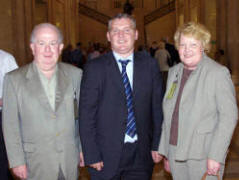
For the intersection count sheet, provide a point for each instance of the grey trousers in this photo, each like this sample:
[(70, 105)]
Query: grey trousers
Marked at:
[(190, 169)]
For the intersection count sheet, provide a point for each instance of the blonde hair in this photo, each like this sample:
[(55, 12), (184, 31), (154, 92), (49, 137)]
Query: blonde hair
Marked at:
[(194, 30)]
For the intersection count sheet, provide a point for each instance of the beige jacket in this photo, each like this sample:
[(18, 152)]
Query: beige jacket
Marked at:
[(34, 133), (207, 112)]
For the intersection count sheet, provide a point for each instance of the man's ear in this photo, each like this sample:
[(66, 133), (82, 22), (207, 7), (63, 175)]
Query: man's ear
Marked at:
[(108, 36), (136, 35), (32, 47), (61, 46)]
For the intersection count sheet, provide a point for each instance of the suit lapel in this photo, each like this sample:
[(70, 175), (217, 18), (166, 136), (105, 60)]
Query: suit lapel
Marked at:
[(116, 77), (62, 84), (115, 74), (138, 74), (35, 87)]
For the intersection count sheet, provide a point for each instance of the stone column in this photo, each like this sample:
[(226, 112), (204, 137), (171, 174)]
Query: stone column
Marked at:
[(221, 31), (72, 23), (180, 12), (64, 14), (22, 23), (186, 11), (232, 39)]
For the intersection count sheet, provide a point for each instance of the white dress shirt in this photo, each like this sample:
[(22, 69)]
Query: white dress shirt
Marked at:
[(7, 64), (129, 71)]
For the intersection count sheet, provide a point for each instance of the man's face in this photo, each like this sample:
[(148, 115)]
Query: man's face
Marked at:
[(122, 36), (46, 49)]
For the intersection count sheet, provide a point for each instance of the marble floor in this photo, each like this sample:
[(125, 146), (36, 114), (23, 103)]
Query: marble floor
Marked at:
[(231, 170)]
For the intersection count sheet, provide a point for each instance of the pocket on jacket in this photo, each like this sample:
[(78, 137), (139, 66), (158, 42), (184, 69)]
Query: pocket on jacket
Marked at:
[(206, 126), (28, 147), (197, 147)]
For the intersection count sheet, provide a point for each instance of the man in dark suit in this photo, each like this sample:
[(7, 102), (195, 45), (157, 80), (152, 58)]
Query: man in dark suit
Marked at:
[(120, 108)]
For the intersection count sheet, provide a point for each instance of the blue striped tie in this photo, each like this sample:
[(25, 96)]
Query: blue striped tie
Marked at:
[(131, 124)]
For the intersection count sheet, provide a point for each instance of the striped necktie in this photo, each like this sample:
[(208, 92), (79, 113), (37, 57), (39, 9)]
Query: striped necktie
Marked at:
[(131, 124)]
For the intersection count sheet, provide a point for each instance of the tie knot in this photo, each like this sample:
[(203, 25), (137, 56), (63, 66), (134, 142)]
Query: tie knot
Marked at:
[(124, 63)]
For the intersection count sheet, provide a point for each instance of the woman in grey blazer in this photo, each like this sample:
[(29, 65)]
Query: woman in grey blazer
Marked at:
[(200, 110)]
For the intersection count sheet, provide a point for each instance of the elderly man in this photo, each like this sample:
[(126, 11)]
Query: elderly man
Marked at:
[(7, 64), (39, 102), (120, 108)]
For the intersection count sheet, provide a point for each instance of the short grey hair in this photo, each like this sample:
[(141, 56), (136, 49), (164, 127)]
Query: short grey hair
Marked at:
[(122, 16), (46, 25)]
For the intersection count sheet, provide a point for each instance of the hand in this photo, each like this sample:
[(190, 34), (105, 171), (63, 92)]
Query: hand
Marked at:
[(156, 156), (212, 167), (0, 102), (166, 165), (20, 171), (82, 162), (98, 166)]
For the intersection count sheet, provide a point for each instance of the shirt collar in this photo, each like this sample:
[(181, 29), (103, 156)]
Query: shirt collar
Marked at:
[(42, 75), (118, 57)]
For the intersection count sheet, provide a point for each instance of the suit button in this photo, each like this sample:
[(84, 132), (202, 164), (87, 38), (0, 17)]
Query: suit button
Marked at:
[(53, 116)]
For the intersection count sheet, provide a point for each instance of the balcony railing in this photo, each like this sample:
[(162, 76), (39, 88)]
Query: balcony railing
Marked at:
[(92, 13), (102, 18), (158, 13)]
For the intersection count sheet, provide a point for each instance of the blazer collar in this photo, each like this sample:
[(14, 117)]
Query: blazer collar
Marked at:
[(114, 72), (35, 87), (62, 84), (199, 66), (34, 83), (139, 69)]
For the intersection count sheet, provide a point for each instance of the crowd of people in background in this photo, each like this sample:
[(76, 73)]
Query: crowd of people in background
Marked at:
[(79, 55)]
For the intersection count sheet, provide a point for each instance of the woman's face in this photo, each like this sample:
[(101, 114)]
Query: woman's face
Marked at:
[(190, 51)]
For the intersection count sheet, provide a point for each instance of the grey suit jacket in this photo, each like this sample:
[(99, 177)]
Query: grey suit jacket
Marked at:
[(207, 112), (34, 133)]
